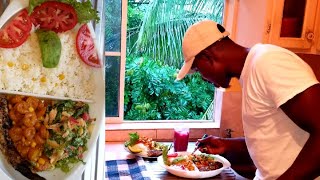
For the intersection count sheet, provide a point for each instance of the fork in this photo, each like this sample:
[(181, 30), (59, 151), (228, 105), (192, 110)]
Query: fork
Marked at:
[(12, 8), (200, 144)]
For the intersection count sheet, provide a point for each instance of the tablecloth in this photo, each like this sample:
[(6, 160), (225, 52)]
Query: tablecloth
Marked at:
[(126, 169)]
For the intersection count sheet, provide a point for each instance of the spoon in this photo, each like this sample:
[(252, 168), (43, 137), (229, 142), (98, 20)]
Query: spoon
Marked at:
[(13, 7)]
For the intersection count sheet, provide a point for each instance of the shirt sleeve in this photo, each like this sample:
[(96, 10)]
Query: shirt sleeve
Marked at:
[(282, 75)]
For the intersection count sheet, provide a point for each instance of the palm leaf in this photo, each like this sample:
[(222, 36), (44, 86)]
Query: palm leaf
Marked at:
[(165, 23)]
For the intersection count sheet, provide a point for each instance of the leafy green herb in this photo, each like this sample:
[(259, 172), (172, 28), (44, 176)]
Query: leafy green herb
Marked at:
[(81, 110), (134, 137), (84, 10), (33, 4), (48, 150)]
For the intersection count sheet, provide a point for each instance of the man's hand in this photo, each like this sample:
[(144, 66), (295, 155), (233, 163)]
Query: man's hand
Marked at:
[(212, 145), (233, 149)]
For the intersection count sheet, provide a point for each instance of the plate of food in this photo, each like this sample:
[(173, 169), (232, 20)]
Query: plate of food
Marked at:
[(51, 91), (195, 166), (143, 146)]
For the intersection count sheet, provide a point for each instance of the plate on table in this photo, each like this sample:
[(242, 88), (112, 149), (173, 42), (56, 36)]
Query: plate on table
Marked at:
[(23, 73), (142, 154), (194, 173), (143, 146)]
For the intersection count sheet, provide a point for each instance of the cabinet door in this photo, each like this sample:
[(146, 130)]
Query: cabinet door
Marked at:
[(292, 24)]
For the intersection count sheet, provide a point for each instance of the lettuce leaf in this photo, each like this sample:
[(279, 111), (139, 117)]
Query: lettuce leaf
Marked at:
[(134, 137)]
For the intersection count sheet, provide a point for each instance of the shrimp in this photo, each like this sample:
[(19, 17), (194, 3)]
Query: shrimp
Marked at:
[(29, 132), (30, 119), (22, 107), (38, 139), (15, 134), (41, 110), (15, 99), (15, 116), (33, 102)]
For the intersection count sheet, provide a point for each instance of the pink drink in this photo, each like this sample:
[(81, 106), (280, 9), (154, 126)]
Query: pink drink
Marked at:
[(181, 139)]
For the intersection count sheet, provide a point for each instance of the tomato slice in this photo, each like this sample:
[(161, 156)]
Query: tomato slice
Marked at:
[(175, 154), (16, 31), (86, 48), (55, 16)]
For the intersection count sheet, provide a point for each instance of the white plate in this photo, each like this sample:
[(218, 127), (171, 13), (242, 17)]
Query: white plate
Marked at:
[(195, 174), (96, 110)]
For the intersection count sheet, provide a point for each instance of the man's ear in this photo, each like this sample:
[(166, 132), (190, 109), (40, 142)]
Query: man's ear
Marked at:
[(221, 29)]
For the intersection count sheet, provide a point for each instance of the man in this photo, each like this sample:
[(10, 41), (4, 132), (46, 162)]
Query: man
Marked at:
[(280, 100)]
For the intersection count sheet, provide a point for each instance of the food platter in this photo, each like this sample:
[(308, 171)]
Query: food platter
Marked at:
[(96, 110), (196, 174)]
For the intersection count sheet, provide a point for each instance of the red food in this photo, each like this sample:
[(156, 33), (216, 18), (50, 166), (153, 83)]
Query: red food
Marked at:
[(55, 16), (73, 120), (17, 31), (175, 154), (85, 116), (86, 48)]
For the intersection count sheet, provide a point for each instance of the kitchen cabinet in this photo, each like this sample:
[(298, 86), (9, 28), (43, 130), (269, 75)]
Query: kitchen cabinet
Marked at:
[(293, 24)]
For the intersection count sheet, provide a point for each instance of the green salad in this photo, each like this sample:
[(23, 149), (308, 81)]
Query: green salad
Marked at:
[(70, 127)]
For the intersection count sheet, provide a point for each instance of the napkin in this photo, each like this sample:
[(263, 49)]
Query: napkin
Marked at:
[(126, 169)]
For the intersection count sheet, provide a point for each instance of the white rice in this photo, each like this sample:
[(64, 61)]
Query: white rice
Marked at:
[(21, 70)]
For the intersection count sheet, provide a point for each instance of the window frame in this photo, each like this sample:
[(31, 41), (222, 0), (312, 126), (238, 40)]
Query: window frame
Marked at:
[(230, 11)]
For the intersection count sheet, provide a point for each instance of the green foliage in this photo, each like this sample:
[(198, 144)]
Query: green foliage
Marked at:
[(165, 23), (134, 15), (151, 92)]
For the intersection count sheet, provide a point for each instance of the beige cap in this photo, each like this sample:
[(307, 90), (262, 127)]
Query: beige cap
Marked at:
[(198, 37)]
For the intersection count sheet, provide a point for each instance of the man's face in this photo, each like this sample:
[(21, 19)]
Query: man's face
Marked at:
[(211, 70)]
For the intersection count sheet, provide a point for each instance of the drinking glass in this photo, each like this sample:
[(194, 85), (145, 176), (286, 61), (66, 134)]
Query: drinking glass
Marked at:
[(180, 139)]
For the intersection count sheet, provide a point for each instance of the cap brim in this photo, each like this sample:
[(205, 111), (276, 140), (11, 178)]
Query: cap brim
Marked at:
[(185, 69)]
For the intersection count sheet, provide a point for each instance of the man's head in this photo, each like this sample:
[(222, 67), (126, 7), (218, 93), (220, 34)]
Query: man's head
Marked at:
[(197, 38)]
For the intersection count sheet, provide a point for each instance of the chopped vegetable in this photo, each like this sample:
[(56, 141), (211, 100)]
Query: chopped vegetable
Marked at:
[(16, 31), (86, 47), (84, 10), (50, 47), (71, 136), (54, 16)]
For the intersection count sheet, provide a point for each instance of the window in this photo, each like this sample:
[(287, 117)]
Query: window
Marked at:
[(118, 41)]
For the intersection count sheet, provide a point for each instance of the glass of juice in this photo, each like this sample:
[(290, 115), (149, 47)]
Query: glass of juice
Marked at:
[(180, 139)]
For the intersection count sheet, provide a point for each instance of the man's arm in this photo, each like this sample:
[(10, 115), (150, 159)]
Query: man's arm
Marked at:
[(233, 149), (238, 155), (304, 111)]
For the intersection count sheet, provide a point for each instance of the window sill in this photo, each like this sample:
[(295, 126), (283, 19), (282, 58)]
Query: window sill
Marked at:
[(159, 131), (161, 125)]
